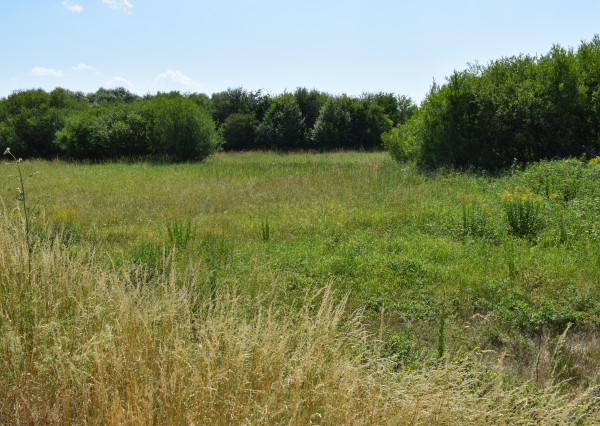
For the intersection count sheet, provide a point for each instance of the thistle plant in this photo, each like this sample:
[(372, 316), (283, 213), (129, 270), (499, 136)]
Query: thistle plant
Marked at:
[(22, 199)]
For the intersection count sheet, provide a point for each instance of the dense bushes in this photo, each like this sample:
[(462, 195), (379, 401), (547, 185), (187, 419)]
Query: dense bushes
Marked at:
[(524, 108), (166, 126), (104, 132), (115, 123), (29, 119)]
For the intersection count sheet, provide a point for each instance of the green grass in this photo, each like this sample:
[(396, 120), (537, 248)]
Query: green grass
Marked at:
[(276, 226)]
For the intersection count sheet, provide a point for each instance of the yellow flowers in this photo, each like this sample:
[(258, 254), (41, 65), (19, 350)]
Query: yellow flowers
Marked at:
[(521, 194), (523, 210), (594, 161)]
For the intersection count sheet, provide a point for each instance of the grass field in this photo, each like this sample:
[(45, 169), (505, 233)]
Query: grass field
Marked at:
[(333, 288)]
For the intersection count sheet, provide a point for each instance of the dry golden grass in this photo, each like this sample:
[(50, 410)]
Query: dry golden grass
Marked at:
[(81, 343)]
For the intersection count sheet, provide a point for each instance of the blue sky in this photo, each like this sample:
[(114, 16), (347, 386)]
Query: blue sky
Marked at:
[(275, 45)]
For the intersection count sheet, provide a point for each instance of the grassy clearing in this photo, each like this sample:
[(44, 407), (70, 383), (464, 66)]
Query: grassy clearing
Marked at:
[(224, 292)]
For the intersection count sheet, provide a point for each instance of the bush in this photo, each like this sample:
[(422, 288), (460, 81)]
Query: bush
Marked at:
[(179, 129), (521, 107), (29, 120), (333, 127), (105, 132), (239, 132), (283, 125)]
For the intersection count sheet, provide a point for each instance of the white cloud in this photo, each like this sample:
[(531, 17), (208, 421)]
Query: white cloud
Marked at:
[(177, 77), (42, 72), (119, 81), (72, 7), (83, 67), (118, 4)]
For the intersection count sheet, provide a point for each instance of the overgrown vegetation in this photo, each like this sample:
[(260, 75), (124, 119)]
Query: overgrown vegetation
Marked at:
[(369, 304), (360, 283)]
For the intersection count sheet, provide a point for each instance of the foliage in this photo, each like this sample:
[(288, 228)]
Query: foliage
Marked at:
[(29, 119), (178, 128), (310, 103), (333, 128), (105, 132), (523, 211), (521, 107), (238, 101), (116, 96), (238, 132), (282, 127)]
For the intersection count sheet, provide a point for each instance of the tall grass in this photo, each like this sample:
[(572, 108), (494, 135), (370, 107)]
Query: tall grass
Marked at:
[(84, 343)]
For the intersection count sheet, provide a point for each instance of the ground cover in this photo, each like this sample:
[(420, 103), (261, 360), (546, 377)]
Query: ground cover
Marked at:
[(439, 265)]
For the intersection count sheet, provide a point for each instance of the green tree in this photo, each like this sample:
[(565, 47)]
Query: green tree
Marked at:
[(283, 125), (239, 132), (179, 129), (333, 128), (29, 120), (310, 103)]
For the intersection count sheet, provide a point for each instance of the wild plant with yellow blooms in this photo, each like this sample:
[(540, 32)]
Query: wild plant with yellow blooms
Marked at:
[(523, 210)]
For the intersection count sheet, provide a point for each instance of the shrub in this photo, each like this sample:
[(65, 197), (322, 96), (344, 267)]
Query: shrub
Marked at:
[(283, 125), (239, 132), (104, 132), (29, 120), (179, 129), (521, 107)]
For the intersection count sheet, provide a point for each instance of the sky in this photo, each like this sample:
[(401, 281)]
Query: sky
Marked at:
[(334, 46)]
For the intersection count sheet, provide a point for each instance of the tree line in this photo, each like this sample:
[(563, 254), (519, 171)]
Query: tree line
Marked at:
[(115, 123), (521, 108)]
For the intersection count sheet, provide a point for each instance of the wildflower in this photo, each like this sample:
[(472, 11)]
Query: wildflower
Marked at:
[(569, 180), (506, 197), (7, 151), (594, 161)]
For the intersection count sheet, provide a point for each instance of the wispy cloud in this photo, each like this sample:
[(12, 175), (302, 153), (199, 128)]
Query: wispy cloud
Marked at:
[(176, 77), (119, 81), (85, 67), (118, 4), (43, 72), (72, 7)]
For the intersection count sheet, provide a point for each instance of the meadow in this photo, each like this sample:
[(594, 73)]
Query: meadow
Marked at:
[(294, 288)]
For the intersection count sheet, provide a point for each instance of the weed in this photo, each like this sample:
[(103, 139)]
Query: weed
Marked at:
[(180, 233), (441, 337), (22, 199), (523, 211), (475, 216), (265, 233), (510, 257)]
